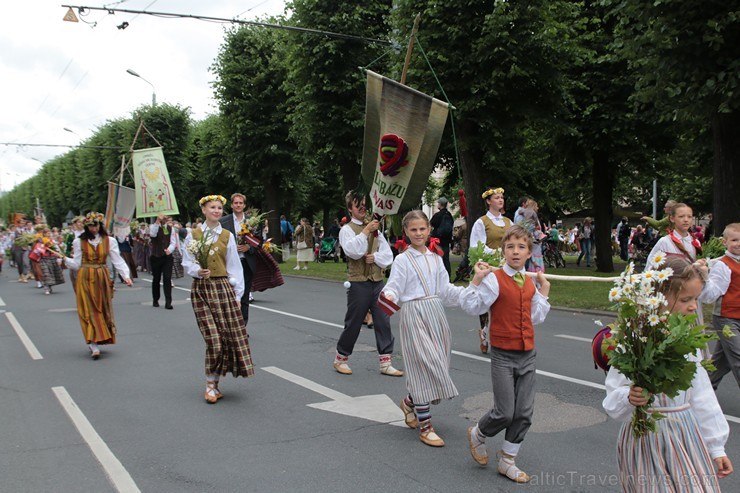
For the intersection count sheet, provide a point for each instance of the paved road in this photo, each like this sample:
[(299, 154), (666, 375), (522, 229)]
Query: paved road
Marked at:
[(282, 430)]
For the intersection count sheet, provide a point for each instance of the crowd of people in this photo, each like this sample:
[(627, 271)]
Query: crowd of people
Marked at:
[(224, 255)]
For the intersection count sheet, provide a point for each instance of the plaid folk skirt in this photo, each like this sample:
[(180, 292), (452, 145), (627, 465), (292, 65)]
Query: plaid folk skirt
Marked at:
[(222, 326), (51, 271)]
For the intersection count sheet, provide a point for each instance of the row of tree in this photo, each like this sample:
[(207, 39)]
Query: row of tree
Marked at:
[(571, 102)]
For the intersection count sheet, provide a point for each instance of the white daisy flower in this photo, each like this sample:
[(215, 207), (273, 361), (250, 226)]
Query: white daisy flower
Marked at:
[(659, 259), (653, 320), (664, 274), (615, 294), (654, 302)]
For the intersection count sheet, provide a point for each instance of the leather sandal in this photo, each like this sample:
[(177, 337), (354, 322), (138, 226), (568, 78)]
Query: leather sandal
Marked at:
[(480, 458), (409, 416), (387, 369), (342, 367), (211, 394), (429, 437), (507, 467), (219, 394)]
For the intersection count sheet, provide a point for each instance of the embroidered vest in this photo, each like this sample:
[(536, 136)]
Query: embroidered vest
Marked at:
[(359, 271), (217, 261), (161, 241), (494, 234), (510, 318)]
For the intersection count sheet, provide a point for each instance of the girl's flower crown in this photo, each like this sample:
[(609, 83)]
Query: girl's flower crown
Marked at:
[(208, 198), (492, 191), (94, 217)]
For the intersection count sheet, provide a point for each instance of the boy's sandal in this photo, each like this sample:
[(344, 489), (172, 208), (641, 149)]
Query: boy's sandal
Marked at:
[(509, 469), (431, 438), (409, 416)]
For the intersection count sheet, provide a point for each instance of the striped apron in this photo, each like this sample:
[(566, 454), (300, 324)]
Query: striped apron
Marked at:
[(672, 460), (426, 345)]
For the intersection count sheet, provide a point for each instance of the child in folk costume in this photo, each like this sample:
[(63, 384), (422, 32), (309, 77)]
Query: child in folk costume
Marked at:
[(515, 305), (420, 281), (723, 287), (678, 241), (217, 289), (94, 289), (678, 457)]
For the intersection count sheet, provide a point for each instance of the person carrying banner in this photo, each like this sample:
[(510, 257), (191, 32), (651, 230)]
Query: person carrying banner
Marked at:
[(210, 257), (489, 230), (368, 253), (94, 290), (163, 244), (233, 223)]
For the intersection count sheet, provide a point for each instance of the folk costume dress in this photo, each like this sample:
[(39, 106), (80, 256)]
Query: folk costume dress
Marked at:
[(678, 457), (214, 302), (422, 285), (94, 288)]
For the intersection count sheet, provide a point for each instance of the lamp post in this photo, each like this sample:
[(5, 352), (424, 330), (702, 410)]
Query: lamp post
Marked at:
[(154, 94)]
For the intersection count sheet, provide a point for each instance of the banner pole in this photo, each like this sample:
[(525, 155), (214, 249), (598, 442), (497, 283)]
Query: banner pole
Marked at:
[(410, 49)]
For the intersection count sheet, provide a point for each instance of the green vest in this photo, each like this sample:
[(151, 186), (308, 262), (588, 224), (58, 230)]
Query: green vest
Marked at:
[(359, 271), (217, 261), (494, 234)]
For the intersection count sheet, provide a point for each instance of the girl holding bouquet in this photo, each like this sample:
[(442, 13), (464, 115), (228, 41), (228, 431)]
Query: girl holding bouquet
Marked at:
[(210, 257), (678, 455), (51, 271)]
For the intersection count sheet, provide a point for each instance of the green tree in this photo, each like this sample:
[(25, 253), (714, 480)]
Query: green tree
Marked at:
[(686, 55)]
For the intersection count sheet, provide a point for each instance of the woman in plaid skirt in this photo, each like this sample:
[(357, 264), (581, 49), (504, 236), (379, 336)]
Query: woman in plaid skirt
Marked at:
[(210, 257)]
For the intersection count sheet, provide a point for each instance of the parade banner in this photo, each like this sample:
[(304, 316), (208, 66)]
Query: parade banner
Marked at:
[(119, 210), (154, 193), (403, 130)]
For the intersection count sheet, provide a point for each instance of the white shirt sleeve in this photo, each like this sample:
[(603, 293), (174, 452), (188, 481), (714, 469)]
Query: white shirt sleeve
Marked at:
[(384, 255), (540, 308), (396, 284), (189, 265), (717, 284), (154, 230), (116, 259), (616, 403), (712, 422), (74, 262), (477, 300), (478, 234), (354, 246), (234, 267)]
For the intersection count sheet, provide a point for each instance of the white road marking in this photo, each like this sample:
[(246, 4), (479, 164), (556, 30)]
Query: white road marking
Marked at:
[(379, 408), (2, 303), (117, 474), (564, 378), (575, 338), (30, 347)]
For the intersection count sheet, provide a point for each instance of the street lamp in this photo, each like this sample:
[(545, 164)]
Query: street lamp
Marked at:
[(154, 94)]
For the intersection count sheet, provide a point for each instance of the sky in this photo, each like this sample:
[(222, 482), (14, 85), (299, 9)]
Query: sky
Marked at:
[(57, 75)]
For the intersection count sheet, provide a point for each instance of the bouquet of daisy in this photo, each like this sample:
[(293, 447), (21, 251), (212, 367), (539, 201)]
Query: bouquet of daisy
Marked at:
[(202, 249), (495, 259), (649, 345)]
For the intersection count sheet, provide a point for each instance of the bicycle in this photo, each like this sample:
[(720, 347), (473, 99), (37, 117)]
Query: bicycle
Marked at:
[(552, 256)]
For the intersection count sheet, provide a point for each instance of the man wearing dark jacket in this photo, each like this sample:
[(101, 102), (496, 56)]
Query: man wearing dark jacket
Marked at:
[(233, 222)]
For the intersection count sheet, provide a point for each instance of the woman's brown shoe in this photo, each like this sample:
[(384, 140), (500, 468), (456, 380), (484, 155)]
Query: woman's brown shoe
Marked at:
[(409, 416), (429, 437), (211, 394)]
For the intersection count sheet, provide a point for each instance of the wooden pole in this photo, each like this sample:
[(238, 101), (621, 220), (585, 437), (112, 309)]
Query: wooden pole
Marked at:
[(410, 48)]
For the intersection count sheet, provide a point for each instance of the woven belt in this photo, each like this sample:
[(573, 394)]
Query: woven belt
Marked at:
[(93, 266)]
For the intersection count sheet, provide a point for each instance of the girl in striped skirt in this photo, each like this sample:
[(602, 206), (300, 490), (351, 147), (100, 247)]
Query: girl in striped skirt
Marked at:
[(218, 286), (419, 280), (678, 457)]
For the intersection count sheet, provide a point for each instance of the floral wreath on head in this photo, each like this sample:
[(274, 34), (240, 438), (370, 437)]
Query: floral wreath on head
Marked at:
[(40, 227), (94, 217), (492, 191), (209, 198)]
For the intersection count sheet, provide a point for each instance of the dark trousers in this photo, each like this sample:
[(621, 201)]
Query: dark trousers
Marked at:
[(248, 274), (624, 252), (162, 271), (361, 297), (513, 375)]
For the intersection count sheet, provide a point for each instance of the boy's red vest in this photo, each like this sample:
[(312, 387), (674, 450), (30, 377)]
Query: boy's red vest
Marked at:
[(730, 301), (510, 318)]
